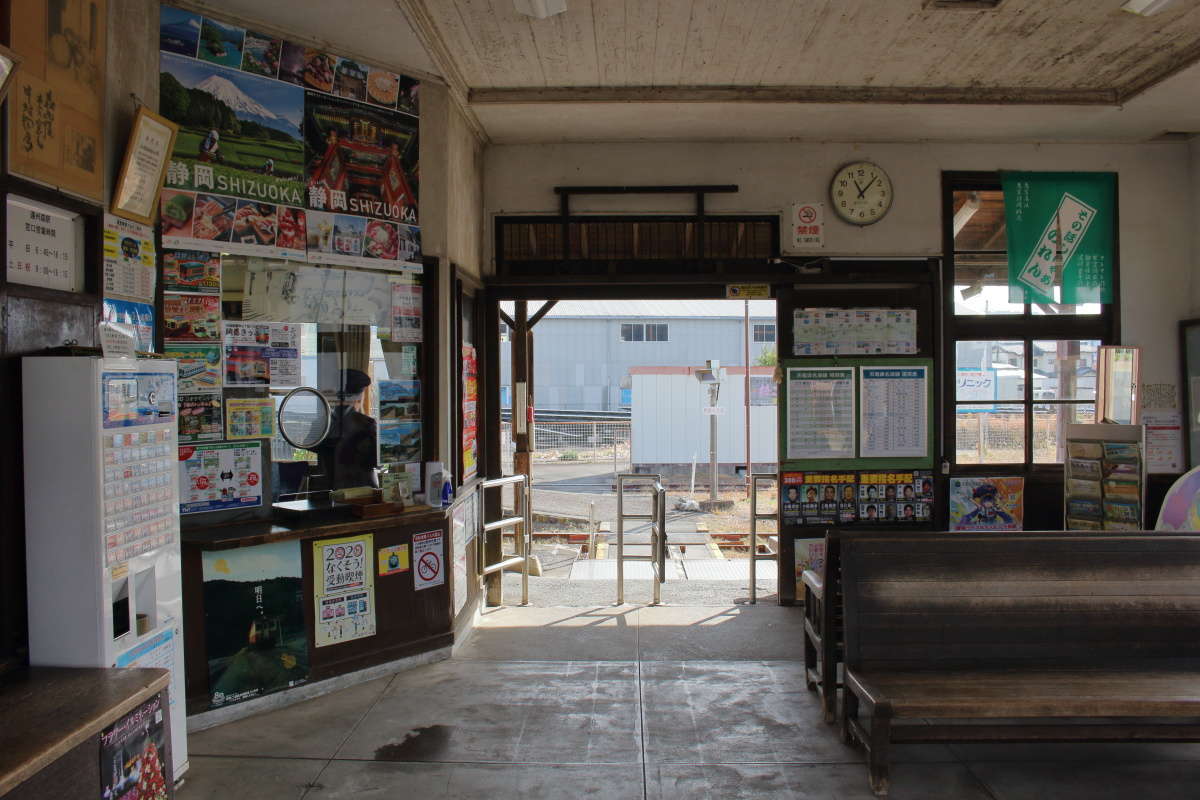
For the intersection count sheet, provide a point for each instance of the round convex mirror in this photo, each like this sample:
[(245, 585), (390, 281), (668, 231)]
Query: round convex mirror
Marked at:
[(304, 418)]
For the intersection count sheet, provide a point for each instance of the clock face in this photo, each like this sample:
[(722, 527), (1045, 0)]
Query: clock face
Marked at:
[(861, 193)]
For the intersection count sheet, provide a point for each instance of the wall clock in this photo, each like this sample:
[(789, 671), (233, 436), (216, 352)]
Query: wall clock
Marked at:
[(861, 193)]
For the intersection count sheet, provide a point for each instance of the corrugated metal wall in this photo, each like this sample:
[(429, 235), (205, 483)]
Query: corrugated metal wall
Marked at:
[(670, 427)]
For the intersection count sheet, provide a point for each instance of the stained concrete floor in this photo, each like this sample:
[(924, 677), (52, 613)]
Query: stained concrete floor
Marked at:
[(630, 702)]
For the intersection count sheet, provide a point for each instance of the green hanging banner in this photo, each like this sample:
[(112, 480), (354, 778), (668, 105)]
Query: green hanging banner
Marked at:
[(1060, 234)]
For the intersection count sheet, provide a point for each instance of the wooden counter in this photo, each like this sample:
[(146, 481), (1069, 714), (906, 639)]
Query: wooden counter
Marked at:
[(56, 714), (228, 600)]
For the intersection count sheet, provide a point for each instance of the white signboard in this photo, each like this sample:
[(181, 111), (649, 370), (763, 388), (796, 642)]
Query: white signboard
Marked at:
[(45, 245), (429, 560), (1164, 441), (894, 412), (820, 412), (808, 226), (130, 263), (344, 593)]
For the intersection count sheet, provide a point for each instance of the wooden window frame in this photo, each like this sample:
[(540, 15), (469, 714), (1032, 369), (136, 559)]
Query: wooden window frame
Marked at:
[(1025, 327)]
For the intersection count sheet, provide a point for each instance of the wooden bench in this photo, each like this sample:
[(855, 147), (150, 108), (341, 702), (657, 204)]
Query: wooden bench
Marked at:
[(823, 626), (1019, 637), (51, 719)]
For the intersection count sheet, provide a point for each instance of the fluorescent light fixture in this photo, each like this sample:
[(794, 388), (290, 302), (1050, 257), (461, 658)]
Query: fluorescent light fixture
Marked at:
[(540, 9), (1146, 8)]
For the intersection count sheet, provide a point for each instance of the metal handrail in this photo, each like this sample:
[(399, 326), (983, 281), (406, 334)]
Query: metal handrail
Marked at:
[(524, 521), (658, 533), (754, 518)]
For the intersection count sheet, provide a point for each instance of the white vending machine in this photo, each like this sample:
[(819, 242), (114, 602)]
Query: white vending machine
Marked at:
[(102, 519)]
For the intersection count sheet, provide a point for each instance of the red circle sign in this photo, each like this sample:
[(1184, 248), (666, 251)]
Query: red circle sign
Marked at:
[(429, 566), (252, 479), (202, 482), (808, 214)]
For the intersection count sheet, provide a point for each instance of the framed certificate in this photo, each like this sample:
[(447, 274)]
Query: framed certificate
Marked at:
[(144, 167)]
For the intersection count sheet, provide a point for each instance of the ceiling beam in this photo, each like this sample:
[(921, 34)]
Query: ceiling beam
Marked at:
[(435, 45), (899, 95)]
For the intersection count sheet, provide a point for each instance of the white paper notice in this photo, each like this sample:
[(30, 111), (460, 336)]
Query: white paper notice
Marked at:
[(117, 341), (429, 560), (894, 412), (130, 263), (1164, 441), (820, 412)]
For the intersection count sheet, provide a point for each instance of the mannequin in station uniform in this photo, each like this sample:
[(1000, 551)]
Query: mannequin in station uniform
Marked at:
[(348, 455)]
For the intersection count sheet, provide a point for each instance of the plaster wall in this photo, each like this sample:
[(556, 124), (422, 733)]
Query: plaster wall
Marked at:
[(1158, 222)]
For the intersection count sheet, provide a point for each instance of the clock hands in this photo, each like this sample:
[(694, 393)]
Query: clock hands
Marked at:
[(860, 189)]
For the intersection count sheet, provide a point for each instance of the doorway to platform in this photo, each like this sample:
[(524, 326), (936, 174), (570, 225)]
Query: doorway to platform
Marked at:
[(598, 400)]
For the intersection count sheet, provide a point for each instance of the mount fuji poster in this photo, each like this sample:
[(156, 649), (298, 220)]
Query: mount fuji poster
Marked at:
[(240, 134)]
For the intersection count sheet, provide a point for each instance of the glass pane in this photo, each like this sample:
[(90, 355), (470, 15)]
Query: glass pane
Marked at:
[(1065, 369), (1049, 309), (981, 285), (989, 370), (1048, 428), (989, 434), (979, 221)]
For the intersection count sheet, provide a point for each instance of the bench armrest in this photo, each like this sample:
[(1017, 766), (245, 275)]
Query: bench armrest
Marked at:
[(814, 583)]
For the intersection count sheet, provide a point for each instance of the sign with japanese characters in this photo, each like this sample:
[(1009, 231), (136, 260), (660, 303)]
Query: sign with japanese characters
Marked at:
[(344, 590), (44, 245), (56, 105), (1060, 236), (808, 226), (286, 151)]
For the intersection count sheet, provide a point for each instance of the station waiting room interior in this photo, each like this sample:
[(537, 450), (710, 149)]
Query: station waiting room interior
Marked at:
[(364, 434)]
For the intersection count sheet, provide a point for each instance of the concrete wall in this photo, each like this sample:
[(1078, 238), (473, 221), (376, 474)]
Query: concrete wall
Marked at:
[(1158, 218), (668, 424)]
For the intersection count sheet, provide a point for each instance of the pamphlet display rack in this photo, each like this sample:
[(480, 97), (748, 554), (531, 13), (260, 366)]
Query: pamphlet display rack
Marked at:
[(1105, 486)]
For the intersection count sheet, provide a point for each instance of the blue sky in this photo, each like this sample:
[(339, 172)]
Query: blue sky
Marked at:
[(280, 98), (175, 16)]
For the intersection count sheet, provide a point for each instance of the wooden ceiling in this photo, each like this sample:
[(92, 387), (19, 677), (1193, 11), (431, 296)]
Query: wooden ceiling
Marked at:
[(896, 51)]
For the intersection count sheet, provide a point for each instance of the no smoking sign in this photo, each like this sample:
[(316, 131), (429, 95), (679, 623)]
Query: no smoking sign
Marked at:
[(427, 549), (808, 226)]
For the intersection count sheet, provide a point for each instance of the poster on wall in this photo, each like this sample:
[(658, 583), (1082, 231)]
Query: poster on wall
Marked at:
[(219, 477), (262, 354), (56, 105), (407, 306), (130, 263), (809, 554), (820, 412), (192, 318), (464, 522), (344, 589), (819, 498), (249, 418), (254, 632), (135, 759), (200, 417), (399, 442), (1060, 228), (429, 558), (284, 149), (895, 496), (854, 331), (399, 400), (987, 504), (195, 271), (470, 404), (136, 319), (894, 409), (199, 366)]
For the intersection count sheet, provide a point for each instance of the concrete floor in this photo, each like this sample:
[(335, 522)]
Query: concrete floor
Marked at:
[(630, 702)]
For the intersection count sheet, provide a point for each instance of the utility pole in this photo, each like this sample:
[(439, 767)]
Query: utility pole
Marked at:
[(714, 389), (746, 390)]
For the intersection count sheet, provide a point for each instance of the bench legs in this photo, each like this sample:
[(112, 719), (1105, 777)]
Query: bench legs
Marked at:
[(877, 740), (878, 752)]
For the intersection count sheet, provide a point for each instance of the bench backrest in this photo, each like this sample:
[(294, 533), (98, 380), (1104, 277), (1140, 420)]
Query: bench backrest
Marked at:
[(930, 600)]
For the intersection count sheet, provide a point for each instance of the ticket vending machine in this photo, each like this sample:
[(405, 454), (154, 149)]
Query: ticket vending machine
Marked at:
[(102, 519)]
